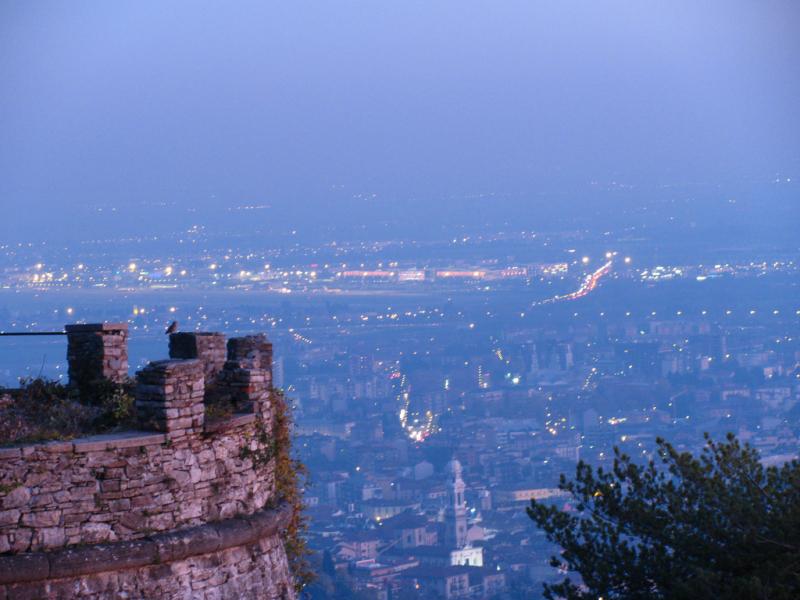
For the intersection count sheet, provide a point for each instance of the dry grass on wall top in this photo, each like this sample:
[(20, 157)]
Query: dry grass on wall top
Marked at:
[(43, 409)]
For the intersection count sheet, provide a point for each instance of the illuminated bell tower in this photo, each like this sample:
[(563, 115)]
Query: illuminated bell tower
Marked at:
[(455, 516)]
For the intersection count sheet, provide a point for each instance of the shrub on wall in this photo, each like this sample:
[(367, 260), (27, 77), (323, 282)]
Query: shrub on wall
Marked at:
[(43, 409)]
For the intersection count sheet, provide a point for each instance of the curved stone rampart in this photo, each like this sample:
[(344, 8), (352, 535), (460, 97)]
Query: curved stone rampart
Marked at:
[(178, 509), (126, 486), (190, 563)]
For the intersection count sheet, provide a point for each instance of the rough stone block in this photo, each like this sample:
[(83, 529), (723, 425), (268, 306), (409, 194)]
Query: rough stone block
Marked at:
[(16, 498), (180, 544), (255, 348), (165, 392), (96, 352), (23, 567), (208, 347), (9, 517), (103, 557)]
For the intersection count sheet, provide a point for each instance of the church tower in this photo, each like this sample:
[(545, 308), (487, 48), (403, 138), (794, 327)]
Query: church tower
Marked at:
[(455, 515)]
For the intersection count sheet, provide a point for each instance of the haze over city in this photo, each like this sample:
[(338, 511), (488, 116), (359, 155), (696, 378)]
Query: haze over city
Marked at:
[(367, 106)]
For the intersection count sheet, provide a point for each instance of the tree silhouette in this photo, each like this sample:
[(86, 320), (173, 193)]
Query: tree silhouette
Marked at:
[(720, 525), (328, 566)]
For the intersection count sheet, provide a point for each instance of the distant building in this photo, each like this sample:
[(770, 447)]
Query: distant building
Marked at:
[(448, 582), (423, 470), (408, 530), (523, 493), (358, 545), (377, 510), (454, 582), (455, 515)]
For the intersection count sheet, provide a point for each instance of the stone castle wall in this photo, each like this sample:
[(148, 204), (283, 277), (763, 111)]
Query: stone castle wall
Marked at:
[(97, 352), (208, 347), (176, 509), (126, 486), (242, 557)]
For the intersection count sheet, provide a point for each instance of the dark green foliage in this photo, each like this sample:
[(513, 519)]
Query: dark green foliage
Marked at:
[(218, 411), (328, 566), (336, 585), (43, 409), (266, 449), (290, 477), (115, 404), (219, 404), (720, 525)]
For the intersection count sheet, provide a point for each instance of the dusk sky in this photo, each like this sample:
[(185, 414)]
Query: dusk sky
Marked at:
[(301, 104)]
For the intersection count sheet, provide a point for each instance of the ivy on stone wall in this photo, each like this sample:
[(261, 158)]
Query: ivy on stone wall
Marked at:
[(290, 478)]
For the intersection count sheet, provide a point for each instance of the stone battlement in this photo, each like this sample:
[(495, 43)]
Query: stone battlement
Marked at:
[(170, 397), (96, 352), (170, 479), (209, 348)]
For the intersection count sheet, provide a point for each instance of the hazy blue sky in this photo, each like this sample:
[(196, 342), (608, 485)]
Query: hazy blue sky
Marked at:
[(305, 102)]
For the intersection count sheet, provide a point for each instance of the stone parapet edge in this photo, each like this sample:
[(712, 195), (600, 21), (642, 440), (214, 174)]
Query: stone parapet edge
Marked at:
[(122, 439), (153, 550), (95, 327)]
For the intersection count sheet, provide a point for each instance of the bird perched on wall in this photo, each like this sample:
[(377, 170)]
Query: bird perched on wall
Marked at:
[(173, 327)]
